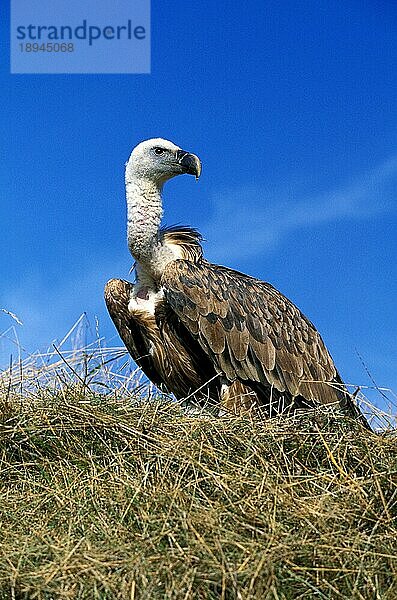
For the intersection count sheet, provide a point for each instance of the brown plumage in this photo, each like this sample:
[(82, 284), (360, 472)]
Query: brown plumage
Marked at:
[(220, 326), (213, 335)]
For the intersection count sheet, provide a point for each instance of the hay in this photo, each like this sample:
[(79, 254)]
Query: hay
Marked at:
[(104, 495)]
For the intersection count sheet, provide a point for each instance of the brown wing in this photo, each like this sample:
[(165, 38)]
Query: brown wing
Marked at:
[(139, 333), (180, 368), (250, 330)]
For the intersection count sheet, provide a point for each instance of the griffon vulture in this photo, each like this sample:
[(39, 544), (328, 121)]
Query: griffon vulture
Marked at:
[(204, 332)]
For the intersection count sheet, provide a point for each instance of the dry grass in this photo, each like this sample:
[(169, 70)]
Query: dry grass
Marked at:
[(105, 496)]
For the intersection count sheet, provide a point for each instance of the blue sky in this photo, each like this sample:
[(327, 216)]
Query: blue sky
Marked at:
[(291, 106)]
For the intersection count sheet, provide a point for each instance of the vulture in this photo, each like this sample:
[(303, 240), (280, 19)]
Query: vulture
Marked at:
[(208, 334)]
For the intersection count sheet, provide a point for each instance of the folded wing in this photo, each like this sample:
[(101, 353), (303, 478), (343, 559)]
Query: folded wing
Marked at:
[(251, 331)]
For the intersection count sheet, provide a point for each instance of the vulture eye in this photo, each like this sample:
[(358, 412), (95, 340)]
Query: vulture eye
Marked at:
[(159, 150)]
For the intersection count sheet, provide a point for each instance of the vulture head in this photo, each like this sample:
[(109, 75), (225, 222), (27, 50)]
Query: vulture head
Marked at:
[(159, 160)]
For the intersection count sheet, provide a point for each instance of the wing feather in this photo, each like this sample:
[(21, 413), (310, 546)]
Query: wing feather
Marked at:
[(226, 365), (238, 342), (212, 332)]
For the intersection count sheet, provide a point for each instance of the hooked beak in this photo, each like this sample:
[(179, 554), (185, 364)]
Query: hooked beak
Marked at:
[(190, 163)]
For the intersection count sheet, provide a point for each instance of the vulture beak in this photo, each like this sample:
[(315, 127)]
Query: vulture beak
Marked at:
[(190, 163)]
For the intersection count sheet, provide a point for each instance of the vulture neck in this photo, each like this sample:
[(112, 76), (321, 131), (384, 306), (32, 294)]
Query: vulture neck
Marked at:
[(144, 214)]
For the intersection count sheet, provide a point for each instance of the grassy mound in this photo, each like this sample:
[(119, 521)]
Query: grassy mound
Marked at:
[(107, 497)]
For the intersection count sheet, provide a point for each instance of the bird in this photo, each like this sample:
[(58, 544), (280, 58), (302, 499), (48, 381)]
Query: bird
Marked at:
[(212, 336)]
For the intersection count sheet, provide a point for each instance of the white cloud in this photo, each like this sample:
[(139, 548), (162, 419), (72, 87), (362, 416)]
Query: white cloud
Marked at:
[(264, 218)]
